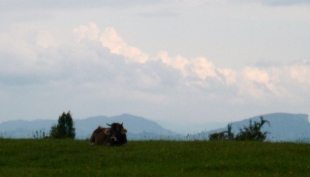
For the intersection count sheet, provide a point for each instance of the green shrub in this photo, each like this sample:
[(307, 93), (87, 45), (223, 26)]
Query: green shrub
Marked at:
[(253, 132)]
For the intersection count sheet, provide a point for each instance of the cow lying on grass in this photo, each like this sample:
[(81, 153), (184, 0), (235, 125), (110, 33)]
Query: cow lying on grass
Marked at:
[(114, 135)]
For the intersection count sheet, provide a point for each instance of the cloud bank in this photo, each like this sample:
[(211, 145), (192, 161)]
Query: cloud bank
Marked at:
[(97, 64), (95, 49)]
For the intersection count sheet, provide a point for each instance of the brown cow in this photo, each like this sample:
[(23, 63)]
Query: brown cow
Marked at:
[(115, 135), (99, 137)]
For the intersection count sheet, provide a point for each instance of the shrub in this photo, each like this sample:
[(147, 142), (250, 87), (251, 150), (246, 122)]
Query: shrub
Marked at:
[(253, 132)]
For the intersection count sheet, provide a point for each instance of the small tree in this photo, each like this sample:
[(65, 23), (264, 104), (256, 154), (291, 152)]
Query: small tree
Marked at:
[(230, 134), (253, 132), (64, 128)]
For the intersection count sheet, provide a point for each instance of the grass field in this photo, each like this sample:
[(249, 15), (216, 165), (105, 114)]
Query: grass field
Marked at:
[(45, 157)]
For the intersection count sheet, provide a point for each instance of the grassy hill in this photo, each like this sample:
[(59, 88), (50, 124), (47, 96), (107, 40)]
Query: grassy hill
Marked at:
[(45, 157)]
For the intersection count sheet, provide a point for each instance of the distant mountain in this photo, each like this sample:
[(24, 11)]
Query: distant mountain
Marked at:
[(138, 127), (283, 127)]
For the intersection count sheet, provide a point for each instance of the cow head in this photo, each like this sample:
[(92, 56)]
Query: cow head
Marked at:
[(116, 133)]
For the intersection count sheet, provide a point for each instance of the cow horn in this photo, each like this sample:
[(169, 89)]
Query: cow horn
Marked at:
[(109, 125)]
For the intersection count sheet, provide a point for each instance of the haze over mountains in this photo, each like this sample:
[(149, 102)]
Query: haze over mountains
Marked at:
[(284, 127)]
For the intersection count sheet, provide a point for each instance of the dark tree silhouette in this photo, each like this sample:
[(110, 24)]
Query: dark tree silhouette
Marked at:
[(64, 128)]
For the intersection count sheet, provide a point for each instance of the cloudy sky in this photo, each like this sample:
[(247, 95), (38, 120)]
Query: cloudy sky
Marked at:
[(172, 61)]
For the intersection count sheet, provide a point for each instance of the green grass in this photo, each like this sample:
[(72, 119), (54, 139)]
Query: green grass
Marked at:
[(45, 157)]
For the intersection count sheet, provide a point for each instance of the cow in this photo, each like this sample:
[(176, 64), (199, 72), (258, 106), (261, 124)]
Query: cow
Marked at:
[(117, 134), (114, 135), (99, 137)]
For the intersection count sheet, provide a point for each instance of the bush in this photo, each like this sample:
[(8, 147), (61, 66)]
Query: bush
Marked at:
[(253, 132)]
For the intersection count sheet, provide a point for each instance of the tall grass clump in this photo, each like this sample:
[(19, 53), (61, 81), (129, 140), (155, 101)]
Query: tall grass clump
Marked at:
[(39, 134)]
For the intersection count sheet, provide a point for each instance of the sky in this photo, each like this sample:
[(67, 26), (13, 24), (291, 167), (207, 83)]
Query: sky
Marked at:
[(175, 62)]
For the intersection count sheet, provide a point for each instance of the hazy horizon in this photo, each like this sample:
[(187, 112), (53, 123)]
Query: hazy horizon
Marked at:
[(176, 127)]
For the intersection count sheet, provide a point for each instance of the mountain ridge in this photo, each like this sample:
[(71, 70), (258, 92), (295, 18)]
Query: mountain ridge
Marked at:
[(283, 127)]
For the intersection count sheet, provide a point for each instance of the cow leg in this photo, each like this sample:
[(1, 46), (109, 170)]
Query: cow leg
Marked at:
[(92, 140), (98, 140)]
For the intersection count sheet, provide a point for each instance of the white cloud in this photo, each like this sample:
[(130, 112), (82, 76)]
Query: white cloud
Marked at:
[(112, 41), (256, 75), (301, 73), (90, 32), (177, 62), (259, 84), (229, 75), (201, 68)]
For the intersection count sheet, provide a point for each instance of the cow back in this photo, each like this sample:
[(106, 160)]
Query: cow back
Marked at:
[(99, 137)]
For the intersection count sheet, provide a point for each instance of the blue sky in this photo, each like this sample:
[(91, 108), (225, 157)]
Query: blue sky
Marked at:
[(184, 62)]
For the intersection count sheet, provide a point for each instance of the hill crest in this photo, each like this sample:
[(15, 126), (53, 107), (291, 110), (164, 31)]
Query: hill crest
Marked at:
[(283, 127)]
